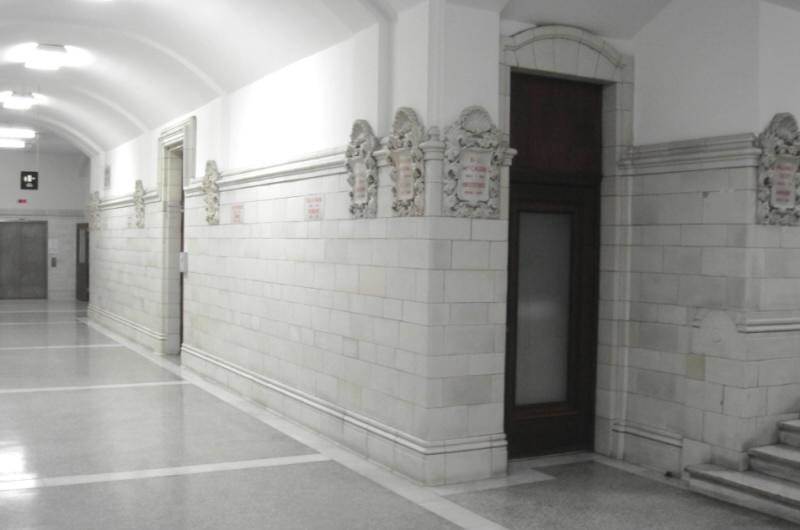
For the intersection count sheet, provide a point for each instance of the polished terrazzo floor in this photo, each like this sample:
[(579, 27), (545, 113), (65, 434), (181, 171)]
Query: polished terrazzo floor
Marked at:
[(97, 434)]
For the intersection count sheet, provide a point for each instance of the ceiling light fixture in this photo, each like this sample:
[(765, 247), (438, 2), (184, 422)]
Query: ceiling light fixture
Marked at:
[(17, 132), (11, 143), (19, 100), (48, 57)]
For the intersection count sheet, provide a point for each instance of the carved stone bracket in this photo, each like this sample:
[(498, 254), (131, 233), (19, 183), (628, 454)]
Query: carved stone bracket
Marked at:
[(138, 204), (362, 171), (93, 209), (474, 153), (210, 189), (407, 162), (778, 176)]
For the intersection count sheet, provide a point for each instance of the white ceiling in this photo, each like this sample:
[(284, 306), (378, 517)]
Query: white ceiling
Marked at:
[(158, 59)]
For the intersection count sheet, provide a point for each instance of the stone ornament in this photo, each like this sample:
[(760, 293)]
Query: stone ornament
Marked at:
[(94, 211), (407, 162), (778, 177), (210, 187), (362, 171), (138, 204), (474, 154)]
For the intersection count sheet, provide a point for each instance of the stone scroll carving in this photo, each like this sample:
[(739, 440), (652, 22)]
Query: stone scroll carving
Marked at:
[(407, 162), (474, 154), (210, 187), (362, 171), (138, 204), (93, 211), (778, 177)]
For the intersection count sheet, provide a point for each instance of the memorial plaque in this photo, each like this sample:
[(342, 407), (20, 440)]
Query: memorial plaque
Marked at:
[(359, 182), (404, 183), (782, 177), (314, 205), (776, 195), (362, 175), (476, 167)]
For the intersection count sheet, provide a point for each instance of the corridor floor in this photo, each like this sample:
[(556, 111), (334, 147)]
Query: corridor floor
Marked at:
[(96, 434)]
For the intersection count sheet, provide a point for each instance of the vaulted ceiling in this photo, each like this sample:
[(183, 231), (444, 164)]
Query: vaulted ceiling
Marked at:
[(157, 59)]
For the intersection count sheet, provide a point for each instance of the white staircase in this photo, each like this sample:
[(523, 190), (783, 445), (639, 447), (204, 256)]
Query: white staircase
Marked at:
[(770, 485)]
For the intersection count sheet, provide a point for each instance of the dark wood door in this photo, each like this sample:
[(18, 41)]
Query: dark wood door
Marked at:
[(23, 260), (553, 264), (82, 262)]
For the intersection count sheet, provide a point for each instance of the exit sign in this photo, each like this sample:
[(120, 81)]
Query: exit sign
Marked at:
[(29, 180)]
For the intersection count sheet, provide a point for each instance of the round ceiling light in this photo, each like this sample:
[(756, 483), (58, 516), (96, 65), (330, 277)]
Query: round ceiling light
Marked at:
[(49, 57), (20, 100)]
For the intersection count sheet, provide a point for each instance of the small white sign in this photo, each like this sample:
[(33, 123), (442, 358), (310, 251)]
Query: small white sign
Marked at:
[(314, 205), (237, 214)]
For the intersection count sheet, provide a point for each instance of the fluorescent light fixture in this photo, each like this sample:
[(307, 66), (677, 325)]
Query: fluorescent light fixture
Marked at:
[(19, 100), (48, 57), (17, 132), (11, 143)]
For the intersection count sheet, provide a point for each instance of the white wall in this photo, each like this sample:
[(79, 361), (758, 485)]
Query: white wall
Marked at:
[(306, 107), (62, 181), (697, 71), (779, 62), (60, 200)]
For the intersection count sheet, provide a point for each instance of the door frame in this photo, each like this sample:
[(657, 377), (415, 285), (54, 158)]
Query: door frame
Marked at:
[(175, 144), (583, 300), (573, 53)]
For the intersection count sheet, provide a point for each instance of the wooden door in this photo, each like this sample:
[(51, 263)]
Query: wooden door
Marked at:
[(82, 262), (553, 264), (23, 260)]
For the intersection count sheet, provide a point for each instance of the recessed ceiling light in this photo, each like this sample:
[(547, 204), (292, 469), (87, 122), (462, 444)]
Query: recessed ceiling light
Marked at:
[(48, 56), (10, 143), (20, 101), (17, 132)]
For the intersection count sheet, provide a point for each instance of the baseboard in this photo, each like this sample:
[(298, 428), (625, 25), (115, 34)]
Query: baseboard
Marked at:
[(429, 462), (650, 447), (127, 328)]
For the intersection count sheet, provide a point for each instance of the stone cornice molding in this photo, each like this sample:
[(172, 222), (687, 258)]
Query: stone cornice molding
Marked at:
[(314, 165), (693, 155)]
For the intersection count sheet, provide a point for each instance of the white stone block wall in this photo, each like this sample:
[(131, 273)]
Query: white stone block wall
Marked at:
[(709, 364), (393, 328), (126, 267)]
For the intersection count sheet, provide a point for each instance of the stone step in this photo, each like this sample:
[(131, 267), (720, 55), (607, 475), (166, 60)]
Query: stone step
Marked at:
[(780, 461), (789, 433), (749, 489)]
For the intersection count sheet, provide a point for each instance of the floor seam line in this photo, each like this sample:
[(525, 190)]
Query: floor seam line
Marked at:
[(91, 387), (61, 347), (194, 469), (419, 495)]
